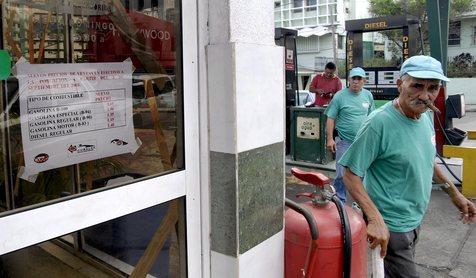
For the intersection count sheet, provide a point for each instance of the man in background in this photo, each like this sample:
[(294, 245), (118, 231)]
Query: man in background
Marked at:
[(346, 112), (325, 85)]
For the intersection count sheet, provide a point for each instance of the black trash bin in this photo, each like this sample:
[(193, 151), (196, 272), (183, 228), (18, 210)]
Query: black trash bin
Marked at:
[(455, 136)]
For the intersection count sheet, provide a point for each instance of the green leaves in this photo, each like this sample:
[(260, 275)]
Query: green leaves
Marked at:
[(384, 7), (458, 7), (416, 8)]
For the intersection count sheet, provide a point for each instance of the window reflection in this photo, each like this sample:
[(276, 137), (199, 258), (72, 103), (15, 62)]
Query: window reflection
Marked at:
[(148, 243), (145, 32)]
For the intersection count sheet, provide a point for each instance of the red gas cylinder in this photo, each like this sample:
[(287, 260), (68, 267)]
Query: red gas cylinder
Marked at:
[(329, 259)]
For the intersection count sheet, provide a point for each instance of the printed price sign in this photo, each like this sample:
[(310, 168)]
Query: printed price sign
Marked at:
[(72, 113)]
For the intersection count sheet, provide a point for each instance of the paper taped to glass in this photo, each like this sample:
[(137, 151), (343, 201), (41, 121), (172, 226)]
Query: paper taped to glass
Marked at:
[(73, 113)]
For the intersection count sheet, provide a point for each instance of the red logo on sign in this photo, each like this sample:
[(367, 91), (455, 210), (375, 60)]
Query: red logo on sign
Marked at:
[(72, 149), (41, 158)]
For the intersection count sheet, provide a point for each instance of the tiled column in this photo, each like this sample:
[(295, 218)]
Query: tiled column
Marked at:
[(246, 113)]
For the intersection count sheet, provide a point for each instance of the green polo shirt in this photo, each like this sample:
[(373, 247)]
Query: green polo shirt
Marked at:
[(396, 154), (349, 110)]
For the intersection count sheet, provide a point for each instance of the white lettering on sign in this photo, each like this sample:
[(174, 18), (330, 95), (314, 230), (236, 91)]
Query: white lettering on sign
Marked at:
[(307, 128)]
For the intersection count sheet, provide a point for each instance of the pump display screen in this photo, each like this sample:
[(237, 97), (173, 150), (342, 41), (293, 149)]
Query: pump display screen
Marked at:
[(382, 53)]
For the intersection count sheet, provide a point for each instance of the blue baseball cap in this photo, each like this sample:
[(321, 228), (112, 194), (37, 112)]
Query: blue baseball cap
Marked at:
[(424, 67), (357, 72)]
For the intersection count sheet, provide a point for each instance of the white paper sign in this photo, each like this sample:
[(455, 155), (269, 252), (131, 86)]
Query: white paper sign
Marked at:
[(72, 113)]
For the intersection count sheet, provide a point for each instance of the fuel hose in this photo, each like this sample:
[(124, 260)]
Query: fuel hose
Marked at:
[(346, 235), (307, 215)]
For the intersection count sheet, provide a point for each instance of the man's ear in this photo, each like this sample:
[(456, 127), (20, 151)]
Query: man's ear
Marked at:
[(399, 85)]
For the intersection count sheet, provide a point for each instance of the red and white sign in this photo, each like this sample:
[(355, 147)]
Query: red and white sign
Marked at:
[(72, 113)]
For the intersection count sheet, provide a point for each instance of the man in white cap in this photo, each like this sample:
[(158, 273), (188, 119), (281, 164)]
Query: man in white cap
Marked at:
[(395, 149), (346, 112)]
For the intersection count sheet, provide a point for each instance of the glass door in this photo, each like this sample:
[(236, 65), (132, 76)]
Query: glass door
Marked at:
[(95, 127)]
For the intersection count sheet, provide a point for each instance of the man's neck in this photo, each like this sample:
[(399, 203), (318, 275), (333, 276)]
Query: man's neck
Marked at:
[(406, 112)]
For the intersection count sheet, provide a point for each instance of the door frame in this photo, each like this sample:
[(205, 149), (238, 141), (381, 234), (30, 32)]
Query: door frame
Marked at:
[(32, 226)]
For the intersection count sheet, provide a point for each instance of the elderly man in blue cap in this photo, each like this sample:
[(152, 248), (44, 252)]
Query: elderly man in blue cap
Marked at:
[(346, 112), (395, 149)]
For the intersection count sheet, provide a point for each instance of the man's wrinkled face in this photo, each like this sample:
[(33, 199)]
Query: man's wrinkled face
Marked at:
[(329, 73), (415, 91), (356, 84)]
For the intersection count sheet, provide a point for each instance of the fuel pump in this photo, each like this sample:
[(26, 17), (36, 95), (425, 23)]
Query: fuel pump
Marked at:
[(287, 38), (381, 80)]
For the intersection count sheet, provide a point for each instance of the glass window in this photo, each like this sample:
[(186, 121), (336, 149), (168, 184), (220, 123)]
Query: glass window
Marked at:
[(99, 101), (340, 42), (147, 243), (310, 21), (323, 20), (323, 10), (298, 3), (474, 35), (333, 9), (454, 33), (311, 5)]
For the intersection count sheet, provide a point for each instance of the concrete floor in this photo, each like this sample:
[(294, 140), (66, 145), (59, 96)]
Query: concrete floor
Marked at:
[(447, 247)]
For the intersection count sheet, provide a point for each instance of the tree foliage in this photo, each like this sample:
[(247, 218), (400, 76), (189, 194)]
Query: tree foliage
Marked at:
[(414, 9), (462, 66)]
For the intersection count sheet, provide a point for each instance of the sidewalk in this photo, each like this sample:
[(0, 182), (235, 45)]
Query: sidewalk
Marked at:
[(470, 107), (447, 247)]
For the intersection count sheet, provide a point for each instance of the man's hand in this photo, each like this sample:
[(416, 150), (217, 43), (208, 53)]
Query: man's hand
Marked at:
[(313, 89), (331, 144), (378, 234), (321, 92), (377, 231), (466, 208)]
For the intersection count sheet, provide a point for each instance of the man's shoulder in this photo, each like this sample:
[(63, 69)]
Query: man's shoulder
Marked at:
[(336, 79), (367, 92), (319, 78), (340, 94), (315, 78), (379, 117)]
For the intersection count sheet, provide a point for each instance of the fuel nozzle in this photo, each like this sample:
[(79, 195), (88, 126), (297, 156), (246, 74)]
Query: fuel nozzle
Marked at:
[(323, 191)]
